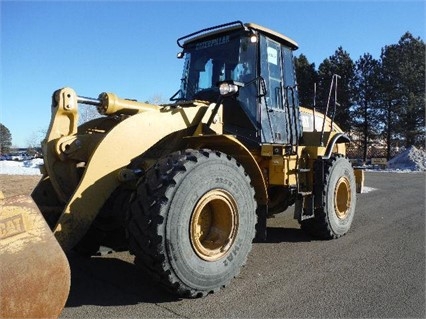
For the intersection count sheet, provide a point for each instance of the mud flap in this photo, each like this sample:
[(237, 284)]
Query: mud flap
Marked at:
[(34, 271), (359, 179)]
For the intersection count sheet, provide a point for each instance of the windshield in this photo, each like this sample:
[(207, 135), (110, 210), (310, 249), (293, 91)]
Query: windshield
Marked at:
[(225, 57)]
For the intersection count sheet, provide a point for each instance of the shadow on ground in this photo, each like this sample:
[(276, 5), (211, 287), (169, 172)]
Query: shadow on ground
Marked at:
[(111, 281), (286, 235), (115, 280)]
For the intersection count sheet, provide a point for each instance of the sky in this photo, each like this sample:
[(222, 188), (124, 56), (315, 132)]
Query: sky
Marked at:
[(129, 47)]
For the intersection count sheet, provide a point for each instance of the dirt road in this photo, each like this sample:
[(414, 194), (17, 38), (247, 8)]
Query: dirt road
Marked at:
[(12, 185)]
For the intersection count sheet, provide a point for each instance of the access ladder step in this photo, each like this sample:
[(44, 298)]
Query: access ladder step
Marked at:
[(304, 194), (303, 170)]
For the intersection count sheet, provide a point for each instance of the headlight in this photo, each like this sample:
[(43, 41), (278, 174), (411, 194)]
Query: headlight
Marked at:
[(226, 89), (253, 38)]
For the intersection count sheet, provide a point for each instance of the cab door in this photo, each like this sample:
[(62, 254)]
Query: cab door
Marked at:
[(279, 117)]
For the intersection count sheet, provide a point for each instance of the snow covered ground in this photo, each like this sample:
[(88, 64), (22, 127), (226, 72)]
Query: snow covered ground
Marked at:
[(410, 160), (30, 167)]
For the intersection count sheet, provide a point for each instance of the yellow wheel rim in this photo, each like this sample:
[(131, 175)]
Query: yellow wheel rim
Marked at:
[(342, 197), (214, 225)]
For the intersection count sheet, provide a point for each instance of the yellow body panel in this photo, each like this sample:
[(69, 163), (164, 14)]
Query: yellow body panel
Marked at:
[(107, 152), (282, 170), (307, 117)]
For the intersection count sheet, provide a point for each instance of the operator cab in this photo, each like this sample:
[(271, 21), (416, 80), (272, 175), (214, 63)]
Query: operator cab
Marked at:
[(256, 65)]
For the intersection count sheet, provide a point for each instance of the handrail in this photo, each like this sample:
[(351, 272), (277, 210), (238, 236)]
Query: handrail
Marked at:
[(333, 85)]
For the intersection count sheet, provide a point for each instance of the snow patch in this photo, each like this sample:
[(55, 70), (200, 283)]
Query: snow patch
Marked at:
[(367, 189), (31, 167), (412, 159)]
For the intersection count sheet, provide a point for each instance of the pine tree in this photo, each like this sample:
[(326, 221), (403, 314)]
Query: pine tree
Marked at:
[(365, 110), (5, 139), (306, 76), (403, 91)]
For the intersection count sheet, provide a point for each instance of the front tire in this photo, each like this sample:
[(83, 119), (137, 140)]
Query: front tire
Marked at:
[(192, 221), (334, 218)]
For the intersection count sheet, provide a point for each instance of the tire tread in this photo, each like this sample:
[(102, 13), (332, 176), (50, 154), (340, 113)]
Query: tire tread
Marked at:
[(319, 226), (145, 219)]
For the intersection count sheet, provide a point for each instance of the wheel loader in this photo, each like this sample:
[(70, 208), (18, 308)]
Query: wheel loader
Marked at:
[(187, 186)]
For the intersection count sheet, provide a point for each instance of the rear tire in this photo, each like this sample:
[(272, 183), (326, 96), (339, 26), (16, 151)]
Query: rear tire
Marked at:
[(192, 221), (334, 218)]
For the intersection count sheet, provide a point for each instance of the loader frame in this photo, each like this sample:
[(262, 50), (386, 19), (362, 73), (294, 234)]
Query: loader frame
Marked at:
[(80, 173)]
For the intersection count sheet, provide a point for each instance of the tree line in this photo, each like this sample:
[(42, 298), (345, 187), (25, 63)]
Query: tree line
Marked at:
[(381, 101)]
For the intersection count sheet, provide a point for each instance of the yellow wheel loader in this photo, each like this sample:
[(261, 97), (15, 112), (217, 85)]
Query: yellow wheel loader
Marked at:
[(187, 186)]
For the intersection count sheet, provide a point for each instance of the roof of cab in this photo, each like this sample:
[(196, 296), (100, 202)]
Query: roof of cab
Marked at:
[(273, 34), (253, 26)]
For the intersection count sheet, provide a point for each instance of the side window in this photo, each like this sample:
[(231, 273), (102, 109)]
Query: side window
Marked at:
[(289, 75), (272, 72), (291, 98), (289, 78), (205, 80), (245, 71)]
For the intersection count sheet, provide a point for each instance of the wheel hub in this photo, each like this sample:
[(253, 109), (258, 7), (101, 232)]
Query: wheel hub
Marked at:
[(214, 224), (342, 197)]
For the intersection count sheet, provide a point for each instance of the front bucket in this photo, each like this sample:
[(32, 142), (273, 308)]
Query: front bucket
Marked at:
[(34, 271)]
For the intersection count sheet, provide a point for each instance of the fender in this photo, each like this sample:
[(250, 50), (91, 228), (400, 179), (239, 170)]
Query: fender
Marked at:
[(338, 138), (228, 144)]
